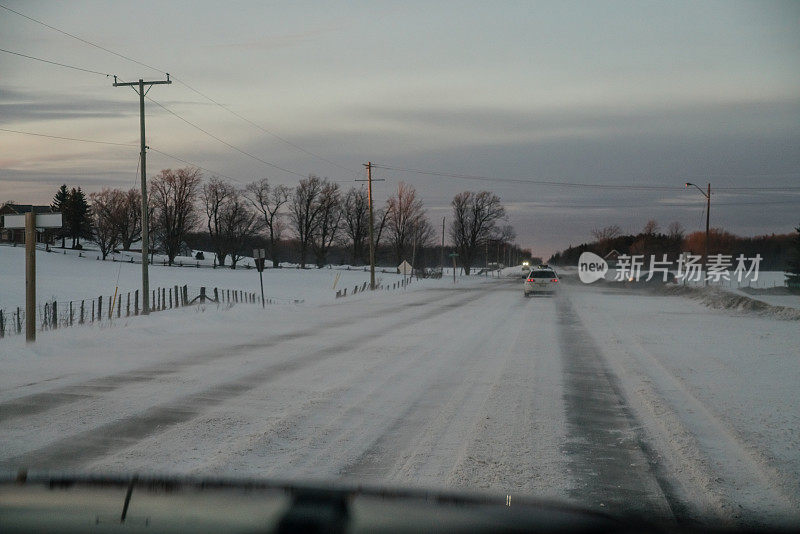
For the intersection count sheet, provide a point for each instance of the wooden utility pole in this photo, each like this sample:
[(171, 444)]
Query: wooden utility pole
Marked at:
[(706, 194), (708, 214), (30, 222), (441, 260), (143, 158), (369, 166), (30, 276)]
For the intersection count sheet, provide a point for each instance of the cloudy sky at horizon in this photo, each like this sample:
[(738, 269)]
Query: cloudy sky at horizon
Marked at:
[(597, 93)]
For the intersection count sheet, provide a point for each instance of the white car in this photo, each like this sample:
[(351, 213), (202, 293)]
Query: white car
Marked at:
[(541, 280)]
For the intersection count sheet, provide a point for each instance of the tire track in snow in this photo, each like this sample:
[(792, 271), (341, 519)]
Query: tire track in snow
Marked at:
[(426, 441), (611, 464), (41, 402), (318, 443), (78, 449), (715, 468), (518, 438)]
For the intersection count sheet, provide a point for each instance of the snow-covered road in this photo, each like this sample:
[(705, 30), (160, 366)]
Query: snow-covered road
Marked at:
[(472, 386)]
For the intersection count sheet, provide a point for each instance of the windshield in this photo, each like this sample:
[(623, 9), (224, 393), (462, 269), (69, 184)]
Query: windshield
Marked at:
[(539, 250)]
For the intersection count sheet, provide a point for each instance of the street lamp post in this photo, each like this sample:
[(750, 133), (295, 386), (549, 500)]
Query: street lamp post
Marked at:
[(706, 194)]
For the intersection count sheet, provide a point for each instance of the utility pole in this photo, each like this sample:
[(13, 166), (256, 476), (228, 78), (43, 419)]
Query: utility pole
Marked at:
[(143, 156), (706, 194), (30, 222), (30, 276), (708, 215), (369, 166), (441, 260)]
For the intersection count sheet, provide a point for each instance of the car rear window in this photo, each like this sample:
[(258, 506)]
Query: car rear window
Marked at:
[(542, 274)]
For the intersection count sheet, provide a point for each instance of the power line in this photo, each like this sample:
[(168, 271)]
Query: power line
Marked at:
[(80, 39), (229, 145), (269, 132), (577, 184), (68, 138), (54, 62), (654, 204), (176, 158), (185, 84), (533, 182)]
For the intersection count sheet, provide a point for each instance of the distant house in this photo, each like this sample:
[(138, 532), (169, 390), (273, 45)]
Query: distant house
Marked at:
[(612, 257), (18, 235)]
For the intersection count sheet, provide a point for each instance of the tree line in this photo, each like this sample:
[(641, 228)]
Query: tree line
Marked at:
[(777, 251), (309, 222)]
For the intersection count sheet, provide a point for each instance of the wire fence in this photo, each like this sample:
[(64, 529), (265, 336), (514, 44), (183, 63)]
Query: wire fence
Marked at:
[(51, 315)]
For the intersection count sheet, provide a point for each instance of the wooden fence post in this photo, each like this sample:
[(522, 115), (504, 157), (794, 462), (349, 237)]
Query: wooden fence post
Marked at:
[(128, 306), (55, 314), (185, 294), (119, 308), (136, 302), (71, 316), (81, 320), (216, 295), (177, 300), (2, 325), (100, 307), (92, 310)]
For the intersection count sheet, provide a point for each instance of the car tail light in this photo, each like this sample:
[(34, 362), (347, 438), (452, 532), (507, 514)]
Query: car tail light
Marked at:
[(554, 279)]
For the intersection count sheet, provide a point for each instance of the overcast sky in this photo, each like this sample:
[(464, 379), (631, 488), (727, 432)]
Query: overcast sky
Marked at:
[(601, 93)]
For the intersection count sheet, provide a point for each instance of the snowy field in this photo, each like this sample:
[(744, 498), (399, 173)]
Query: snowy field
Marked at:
[(618, 400), (68, 277)]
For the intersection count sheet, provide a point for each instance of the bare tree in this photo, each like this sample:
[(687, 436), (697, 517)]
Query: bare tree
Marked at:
[(105, 205), (330, 216), (676, 231), (215, 195), (475, 217), (238, 223), (650, 228), (174, 196), (405, 217), (355, 213), (506, 234), (304, 212), (380, 217), (606, 233), (129, 218), (268, 200)]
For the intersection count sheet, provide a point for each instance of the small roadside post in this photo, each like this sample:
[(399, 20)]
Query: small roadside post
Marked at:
[(454, 255), (30, 222), (259, 254)]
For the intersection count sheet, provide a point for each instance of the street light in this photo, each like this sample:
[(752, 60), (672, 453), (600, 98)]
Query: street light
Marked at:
[(708, 210)]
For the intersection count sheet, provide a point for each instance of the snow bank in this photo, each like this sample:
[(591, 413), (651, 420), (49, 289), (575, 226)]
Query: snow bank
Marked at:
[(718, 298)]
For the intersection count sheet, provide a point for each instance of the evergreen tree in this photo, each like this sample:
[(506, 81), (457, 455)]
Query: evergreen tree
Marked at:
[(793, 272), (61, 205), (80, 223)]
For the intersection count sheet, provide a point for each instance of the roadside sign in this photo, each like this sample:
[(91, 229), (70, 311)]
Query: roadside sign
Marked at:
[(405, 268), (260, 255), (43, 220)]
